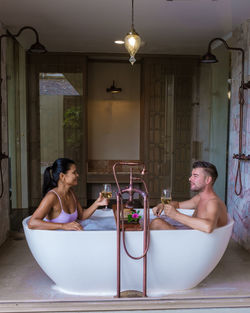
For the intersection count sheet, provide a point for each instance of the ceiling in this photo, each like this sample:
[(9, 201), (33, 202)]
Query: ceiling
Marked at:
[(166, 27)]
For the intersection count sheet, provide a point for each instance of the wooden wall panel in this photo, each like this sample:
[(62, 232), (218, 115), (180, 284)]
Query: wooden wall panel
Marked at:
[(166, 133), (182, 137)]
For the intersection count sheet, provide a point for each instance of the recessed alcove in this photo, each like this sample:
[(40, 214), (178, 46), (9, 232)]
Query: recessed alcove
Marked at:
[(113, 123)]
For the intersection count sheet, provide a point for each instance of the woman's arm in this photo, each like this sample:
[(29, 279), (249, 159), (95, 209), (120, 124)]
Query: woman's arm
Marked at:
[(84, 214), (36, 221)]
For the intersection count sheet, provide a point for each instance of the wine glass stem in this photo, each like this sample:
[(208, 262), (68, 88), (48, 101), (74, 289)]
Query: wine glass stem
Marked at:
[(105, 208)]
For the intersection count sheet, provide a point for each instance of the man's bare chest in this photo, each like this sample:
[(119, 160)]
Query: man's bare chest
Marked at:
[(201, 209)]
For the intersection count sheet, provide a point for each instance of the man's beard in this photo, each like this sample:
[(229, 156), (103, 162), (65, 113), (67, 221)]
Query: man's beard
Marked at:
[(197, 189)]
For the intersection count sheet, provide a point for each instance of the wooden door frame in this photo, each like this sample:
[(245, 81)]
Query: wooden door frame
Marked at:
[(36, 64)]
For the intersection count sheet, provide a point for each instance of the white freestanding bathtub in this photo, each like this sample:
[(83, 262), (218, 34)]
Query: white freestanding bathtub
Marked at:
[(84, 262)]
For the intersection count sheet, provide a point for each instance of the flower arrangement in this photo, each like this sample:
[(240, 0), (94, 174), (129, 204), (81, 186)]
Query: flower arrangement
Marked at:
[(134, 217)]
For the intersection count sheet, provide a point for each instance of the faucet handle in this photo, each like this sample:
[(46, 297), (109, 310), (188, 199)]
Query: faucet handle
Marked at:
[(143, 171), (3, 156)]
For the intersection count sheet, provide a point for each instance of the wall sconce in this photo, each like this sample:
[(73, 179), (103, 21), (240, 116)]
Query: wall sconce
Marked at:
[(113, 89), (37, 47), (210, 58)]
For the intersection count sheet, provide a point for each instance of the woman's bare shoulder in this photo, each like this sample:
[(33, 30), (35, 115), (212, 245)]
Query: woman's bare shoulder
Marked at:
[(49, 197)]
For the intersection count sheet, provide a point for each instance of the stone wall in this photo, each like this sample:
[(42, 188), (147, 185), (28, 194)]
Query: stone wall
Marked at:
[(4, 201), (239, 206)]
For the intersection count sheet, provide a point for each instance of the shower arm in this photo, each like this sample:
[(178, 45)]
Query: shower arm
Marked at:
[(2, 154), (243, 86), (37, 47)]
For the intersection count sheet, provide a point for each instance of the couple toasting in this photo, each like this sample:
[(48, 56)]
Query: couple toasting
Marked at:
[(59, 208)]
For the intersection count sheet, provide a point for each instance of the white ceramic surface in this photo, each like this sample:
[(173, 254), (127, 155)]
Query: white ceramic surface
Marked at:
[(84, 262)]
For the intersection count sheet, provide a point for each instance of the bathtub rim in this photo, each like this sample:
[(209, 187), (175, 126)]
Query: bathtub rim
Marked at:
[(230, 223)]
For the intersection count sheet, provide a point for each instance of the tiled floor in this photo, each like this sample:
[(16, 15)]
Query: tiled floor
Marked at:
[(25, 288)]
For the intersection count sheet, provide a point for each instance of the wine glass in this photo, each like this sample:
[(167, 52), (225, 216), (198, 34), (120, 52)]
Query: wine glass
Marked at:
[(106, 193), (166, 197)]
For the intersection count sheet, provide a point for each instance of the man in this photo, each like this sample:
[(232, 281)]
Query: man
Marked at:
[(210, 211)]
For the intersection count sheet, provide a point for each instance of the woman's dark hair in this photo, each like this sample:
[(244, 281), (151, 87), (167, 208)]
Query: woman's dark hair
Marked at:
[(209, 168), (52, 173)]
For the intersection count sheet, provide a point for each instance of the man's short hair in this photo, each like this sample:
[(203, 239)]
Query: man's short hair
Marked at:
[(209, 168)]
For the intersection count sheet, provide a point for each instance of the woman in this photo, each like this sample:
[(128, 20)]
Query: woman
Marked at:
[(59, 208)]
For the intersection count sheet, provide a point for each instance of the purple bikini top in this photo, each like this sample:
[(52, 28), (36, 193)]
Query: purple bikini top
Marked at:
[(63, 217)]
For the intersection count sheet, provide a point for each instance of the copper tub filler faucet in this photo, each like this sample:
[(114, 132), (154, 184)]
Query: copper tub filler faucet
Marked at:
[(131, 191)]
